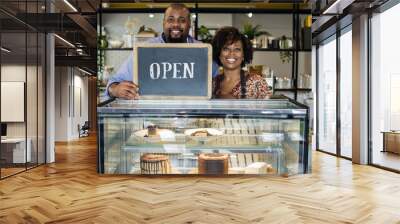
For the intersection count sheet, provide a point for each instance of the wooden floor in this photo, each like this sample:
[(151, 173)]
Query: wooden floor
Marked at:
[(5, 172), (70, 191)]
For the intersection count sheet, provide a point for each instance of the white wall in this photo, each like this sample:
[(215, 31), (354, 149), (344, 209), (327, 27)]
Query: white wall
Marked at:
[(33, 126), (115, 23), (61, 103), (16, 72), (277, 25), (80, 110), (212, 20), (13, 72), (12, 101), (71, 102)]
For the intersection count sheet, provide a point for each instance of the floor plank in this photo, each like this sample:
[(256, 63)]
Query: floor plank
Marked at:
[(70, 191)]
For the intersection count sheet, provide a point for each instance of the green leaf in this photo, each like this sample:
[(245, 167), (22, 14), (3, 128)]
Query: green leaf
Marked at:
[(253, 31)]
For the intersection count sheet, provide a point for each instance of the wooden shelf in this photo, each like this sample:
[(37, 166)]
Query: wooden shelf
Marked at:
[(117, 49), (279, 50), (294, 89), (285, 89), (255, 49), (304, 89)]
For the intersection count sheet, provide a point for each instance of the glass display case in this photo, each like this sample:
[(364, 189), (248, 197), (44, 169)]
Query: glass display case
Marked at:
[(217, 137)]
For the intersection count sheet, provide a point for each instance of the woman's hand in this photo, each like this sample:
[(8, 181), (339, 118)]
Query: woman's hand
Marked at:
[(125, 90)]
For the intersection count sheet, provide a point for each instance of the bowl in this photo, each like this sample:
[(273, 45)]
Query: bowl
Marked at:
[(116, 43)]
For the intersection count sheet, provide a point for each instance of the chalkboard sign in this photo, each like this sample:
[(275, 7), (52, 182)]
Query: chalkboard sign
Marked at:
[(173, 71)]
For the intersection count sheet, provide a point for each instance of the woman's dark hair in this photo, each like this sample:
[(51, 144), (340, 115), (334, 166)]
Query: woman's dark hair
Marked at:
[(227, 36)]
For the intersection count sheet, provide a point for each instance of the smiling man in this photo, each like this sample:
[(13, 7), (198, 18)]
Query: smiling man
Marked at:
[(176, 25)]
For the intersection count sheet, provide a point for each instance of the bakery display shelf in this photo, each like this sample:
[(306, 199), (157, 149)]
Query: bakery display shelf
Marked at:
[(281, 50), (180, 148), (214, 141)]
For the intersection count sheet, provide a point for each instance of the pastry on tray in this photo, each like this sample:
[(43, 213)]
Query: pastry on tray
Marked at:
[(201, 133)]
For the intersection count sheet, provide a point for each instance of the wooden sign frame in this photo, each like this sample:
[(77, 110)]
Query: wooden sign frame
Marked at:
[(173, 45)]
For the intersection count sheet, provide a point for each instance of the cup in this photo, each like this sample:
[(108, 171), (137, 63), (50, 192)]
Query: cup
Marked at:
[(287, 83), (279, 83), (306, 81), (264, 41), (300, 81)]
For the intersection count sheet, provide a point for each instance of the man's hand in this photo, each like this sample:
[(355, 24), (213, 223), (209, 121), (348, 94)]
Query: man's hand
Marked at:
[(125, 90)]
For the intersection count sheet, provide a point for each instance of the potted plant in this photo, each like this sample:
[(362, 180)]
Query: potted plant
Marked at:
[(252, 32), (204, 34)]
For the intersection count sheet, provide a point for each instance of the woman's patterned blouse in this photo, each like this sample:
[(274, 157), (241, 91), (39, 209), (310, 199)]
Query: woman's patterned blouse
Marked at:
[(256, 87)]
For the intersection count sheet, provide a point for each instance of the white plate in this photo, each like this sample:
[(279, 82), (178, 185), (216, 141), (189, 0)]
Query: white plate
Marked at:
[(163, 135), (272, 137)]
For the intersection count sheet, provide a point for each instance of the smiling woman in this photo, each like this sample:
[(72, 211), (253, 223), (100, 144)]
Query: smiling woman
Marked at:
[(232, 50)]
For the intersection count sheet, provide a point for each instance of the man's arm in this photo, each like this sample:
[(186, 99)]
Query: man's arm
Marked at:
[(123, 75), (125, 90)]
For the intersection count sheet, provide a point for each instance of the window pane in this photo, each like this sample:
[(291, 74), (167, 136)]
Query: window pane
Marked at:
[(31, 100), (346, 94), (385, 86), (13, 84), (327, 97)]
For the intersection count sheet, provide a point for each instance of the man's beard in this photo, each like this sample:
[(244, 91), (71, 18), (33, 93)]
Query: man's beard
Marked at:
[(181, 39)]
